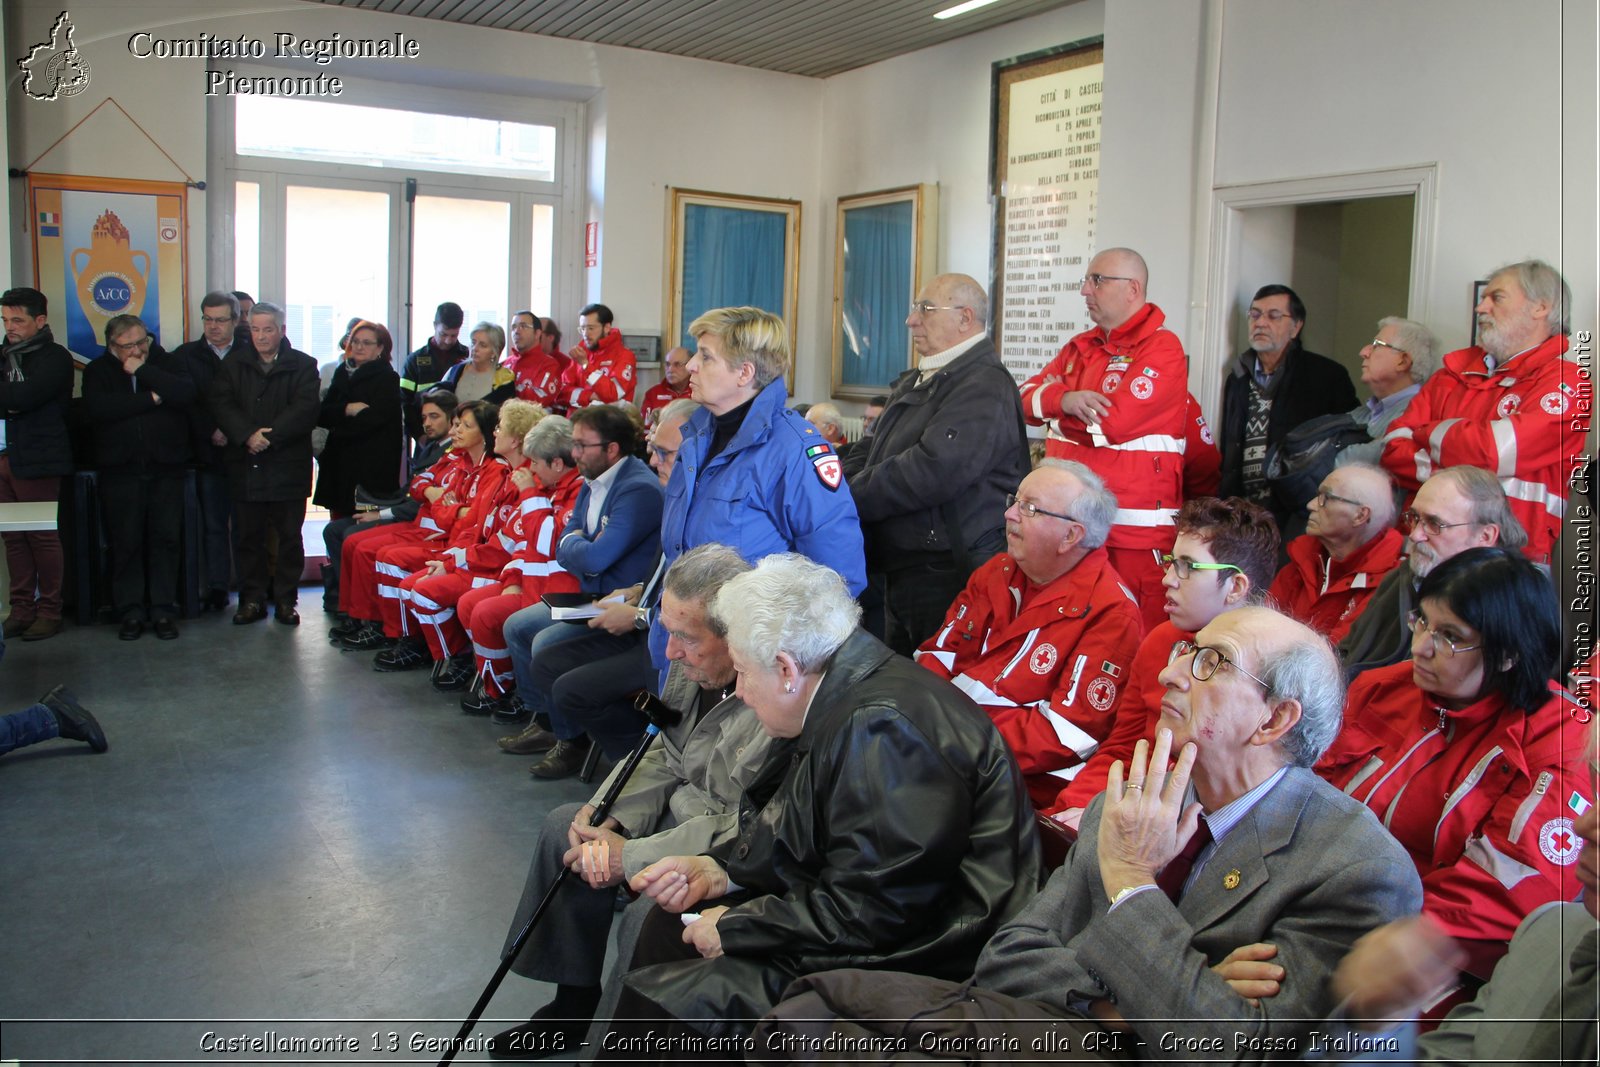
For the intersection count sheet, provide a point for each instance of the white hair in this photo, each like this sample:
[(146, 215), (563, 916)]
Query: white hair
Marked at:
[(787, 604)]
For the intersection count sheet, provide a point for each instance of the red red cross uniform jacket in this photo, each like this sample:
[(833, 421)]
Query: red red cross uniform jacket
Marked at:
[(657, 397), (538, 377), (1483, 798), (608, 375), (541, 516), (1047, 663), (1525, 421), (1138, 448), (1327, 594)]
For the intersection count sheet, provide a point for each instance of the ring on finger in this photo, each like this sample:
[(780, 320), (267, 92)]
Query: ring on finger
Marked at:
[(1136, 785)]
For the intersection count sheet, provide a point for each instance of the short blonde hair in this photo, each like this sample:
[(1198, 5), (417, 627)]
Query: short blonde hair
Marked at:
[(748, 335), (517, 417)]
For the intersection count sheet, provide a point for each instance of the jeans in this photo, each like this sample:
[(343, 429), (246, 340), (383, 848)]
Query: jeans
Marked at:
[(527, 633), (28, 726)]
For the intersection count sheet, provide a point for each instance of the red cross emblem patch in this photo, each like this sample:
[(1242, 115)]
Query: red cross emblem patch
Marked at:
[(1559, 842)]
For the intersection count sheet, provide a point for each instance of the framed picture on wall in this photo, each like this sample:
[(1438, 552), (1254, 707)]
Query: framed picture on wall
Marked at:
[(1479, 287), (883, 252), (731, 251)]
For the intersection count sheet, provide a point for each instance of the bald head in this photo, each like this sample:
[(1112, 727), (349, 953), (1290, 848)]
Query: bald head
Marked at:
[(1119, 294), (957, 309), (829, 423), (1355, 504)]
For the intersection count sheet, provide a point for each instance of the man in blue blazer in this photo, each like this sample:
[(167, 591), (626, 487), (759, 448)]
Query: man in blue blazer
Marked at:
[(612, 542)]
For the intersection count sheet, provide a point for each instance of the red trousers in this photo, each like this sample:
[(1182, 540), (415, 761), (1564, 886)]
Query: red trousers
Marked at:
[(397, 566), (1142, 574), (484, 611), (33, 558), (432, 605), (358, 566)]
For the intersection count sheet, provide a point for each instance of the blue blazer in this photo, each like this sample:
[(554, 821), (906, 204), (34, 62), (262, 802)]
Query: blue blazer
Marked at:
[(623, 549)]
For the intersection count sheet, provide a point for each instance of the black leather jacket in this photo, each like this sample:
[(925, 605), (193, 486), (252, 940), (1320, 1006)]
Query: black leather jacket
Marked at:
[(924, 846), (35, 389)]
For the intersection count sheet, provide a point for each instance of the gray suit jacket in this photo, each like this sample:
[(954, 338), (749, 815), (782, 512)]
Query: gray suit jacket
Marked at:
[(1315, 871)]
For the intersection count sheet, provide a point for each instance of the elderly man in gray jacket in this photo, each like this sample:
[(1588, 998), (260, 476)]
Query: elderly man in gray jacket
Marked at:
[(683, 799)]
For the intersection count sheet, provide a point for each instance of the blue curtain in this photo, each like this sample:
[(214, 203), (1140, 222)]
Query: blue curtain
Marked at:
[(731, 257), (876, 293)]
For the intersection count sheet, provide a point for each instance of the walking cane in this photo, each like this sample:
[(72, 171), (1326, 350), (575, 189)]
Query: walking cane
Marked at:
[(660, 716)]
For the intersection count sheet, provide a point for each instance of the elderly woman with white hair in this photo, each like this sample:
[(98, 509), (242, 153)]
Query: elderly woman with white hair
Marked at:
[(887, 829)]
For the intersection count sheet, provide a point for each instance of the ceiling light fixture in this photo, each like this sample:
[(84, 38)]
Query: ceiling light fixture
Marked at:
[(962, 9)]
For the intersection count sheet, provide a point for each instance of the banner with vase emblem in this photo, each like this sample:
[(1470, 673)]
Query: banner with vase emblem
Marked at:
[(110, 246)]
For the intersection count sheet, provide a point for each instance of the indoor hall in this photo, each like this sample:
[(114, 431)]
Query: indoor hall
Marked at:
[(277, 832)]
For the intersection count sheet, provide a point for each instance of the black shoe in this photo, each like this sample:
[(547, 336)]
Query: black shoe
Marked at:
[(562, 761), (477, 702), (131, 630), (455, 674), (407, 655), (249, 611), (73, 720), (540, 1037), (511, 712), (286, 614), (344, 627), (166, 629), (214, 600), (369, 638)]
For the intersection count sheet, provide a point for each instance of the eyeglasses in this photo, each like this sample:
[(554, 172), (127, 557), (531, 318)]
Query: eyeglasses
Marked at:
[(1095, 281), (1323, 496), (581, 445), (1206, 661), (1029, 510), (1271, 316), (922, 307), (663, 454), (1430, 523), (129, 346), (1420, 625), (1375, 343), (218, 320), (365, 342), (1185, 567)]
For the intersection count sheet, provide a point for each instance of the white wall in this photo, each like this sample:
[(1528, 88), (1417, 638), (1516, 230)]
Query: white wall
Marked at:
[(1307, 87)]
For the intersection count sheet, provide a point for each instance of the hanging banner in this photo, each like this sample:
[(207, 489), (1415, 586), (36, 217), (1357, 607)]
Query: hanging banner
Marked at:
[(110, 246)]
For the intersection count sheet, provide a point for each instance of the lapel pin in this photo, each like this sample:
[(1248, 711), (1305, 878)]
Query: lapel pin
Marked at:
[(1231, 879)]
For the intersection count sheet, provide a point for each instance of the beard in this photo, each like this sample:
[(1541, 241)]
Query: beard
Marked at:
[(1421, 559), (1496, 339)]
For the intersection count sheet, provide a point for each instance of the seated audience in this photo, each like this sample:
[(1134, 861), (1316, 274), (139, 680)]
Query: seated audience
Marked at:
[(361, 412), (1465, 752), (611, 541), (1175, 885), (888, 823), (682, 799), (1394, 365), (437, 410), (1222, 559), (1044, 633), (429, 597), (548, 490), (480, 376), (137, 398), (1456, 509), (373, 571), (1350, 543), (1506, 404)]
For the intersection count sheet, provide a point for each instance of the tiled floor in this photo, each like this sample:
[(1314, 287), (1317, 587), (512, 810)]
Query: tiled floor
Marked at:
[(277, 834)]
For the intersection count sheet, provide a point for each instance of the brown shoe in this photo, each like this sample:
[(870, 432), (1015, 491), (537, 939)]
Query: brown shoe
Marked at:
[(42, 628), (534, 739), (562, 761), (15, 627)]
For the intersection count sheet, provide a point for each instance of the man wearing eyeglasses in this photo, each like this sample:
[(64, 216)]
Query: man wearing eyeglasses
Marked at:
[(673, 386), (1350, 544), (136, 397), (1394, 364), (1043, 634), (1457, 509), (931, 480), (1516, 403), (1274, 386), (1116, 399), (1185, 888)]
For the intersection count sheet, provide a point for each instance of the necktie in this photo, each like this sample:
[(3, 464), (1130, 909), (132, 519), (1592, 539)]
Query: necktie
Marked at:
[(1174, 874)]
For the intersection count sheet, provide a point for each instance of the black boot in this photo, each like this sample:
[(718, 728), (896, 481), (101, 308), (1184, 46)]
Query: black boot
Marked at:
[(557, 1029)]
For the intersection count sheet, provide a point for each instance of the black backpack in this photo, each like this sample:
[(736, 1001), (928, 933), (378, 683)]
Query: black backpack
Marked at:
[(1297, 464)]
